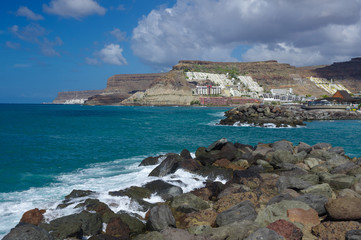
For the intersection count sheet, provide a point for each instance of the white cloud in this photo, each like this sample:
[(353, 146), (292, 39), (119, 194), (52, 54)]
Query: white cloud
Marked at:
[(34, 33), (313, 31), (26, 12), (12, 45), (74, 8), (112, 54), (119, 35)]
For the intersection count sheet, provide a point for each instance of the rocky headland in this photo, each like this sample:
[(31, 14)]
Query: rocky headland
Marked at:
[(75, 97), (269, 191), (282, 116)]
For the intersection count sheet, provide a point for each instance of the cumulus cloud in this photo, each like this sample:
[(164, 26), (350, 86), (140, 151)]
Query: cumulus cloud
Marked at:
[(302, 32), (110, 54), (30, 15), (119, 35), (36, 34), (74, 8)]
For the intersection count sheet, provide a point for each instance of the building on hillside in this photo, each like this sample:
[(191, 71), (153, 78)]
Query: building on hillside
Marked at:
[(282, 95), (208, 90), (282, 91)]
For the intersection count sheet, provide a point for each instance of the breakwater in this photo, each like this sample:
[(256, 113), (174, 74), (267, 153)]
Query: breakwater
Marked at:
[(271, 189)]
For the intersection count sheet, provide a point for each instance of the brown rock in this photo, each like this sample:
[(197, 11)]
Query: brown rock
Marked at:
[(190, 165), (117, 228), (230, 200), (334, 230), (344, 208), (201, 218), (286, 229), (203, 193), (306, 217), (222, 163), (34, 216)]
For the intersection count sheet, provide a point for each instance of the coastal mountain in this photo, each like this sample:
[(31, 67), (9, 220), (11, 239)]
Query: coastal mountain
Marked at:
[(175, 87)]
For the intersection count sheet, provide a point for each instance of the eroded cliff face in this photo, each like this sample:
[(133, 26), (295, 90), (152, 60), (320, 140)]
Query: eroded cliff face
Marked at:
[(170, 90), (122, 86), (348, 73)]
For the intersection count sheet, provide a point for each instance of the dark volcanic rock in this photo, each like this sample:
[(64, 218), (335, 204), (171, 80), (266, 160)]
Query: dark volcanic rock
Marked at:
[(117, 228), (149, 161), (163, 189), (160, 218), (24, 231), (240, 212), (168, 166), (217, 145), (185, 154), (78, 194)]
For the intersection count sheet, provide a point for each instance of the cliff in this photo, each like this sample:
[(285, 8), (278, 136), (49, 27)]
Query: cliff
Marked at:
[(75, 97), (348, 73), (122, 86), (172, 89)]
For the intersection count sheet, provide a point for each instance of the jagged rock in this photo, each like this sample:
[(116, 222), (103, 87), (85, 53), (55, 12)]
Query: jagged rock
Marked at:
[(169, 165), (78, 193), (217, 145), (322, 189), (135, 225), (188, 202), (179, 234), (29, 232), (260, 152), (344, 208), (278, 211), (160, 217), (283, 145), (334, 230), (304, 147), (150, 236), (185, 154), (95, 205), (266, 166), (234, 231), (229, 151), (286, 229), (207, 158), (117, 228), (264, 233), (295, 183), (190, 165), (344, 168), (213, 172), (34, 216), (247, 177), (313, 179), (315, 201), (337, 150), (163, 189), (312, 162), (240, 212), (281, 156), (230, 200)]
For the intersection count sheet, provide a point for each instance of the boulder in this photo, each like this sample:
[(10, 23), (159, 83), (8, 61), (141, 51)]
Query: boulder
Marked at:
[(353, 235), (163, 189), (78, 193), (322, 189), (280, 197), (117, 228), (348, 193), (247, 177), (179, 234), (282, 145), (334, 230), (213, 172), (234, 231), (278, 211), (149, 161), (286, 229), (304, 147), (132, 192), (135, 225), (312, 162), (240, 212), (264, 233), (190, 165), (344, 168), (229, 151), (337, 150), (344, 208), (313, 179), (315, 201), (167, 166), (103, 237), (185, 154), (230, 200), (29, 232), (188, 202), (325, 146), (201, 218), (160, 217), (95, 205), (34, 216), (217, 145), (260, 152), (295, 183), (281, 156), (337, 181), (150, 236), (207, 158), (305, 217)]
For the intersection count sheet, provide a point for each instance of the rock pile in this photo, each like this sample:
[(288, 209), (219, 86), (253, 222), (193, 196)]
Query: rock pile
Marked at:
[(271, 191), (281, 116)]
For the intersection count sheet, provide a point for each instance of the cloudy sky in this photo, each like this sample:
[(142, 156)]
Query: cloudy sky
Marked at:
[(48, 46)]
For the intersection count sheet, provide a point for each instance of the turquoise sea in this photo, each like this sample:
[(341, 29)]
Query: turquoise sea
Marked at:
[(48, 150)]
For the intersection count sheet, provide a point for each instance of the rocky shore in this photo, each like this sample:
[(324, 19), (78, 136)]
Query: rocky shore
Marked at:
[(268, 191), (282, 116)]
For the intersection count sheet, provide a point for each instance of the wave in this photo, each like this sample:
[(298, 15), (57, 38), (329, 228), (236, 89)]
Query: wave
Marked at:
[(100, 178)]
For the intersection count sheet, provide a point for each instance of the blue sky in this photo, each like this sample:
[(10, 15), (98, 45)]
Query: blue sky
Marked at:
[(47, 46)]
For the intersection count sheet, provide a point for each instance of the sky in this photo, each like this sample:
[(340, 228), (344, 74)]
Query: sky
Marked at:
[(48, 46)]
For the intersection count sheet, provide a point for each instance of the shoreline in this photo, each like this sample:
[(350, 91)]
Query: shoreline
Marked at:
[(255, 178)]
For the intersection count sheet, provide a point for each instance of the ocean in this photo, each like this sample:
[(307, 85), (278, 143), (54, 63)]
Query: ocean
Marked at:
[(46, 151)]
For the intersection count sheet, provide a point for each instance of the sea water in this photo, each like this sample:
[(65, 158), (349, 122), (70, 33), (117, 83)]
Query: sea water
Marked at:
[(46, 151)]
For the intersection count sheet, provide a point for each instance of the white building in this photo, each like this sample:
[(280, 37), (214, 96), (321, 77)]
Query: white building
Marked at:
[(208, 90)]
